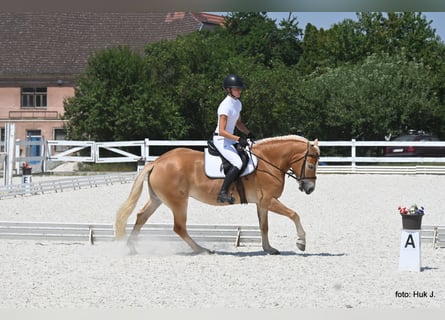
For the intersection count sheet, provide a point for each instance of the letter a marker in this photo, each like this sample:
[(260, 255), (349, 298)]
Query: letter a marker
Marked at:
[(410, 251)]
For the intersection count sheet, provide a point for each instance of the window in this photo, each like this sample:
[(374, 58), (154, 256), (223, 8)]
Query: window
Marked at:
[(34, 97), (59, 134)]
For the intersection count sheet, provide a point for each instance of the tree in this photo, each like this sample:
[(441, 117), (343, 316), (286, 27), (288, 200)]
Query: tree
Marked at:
[(360, 78), (114, 101), (190, 70), (407, 31), (256, 35), (370, 99), (352, 41)]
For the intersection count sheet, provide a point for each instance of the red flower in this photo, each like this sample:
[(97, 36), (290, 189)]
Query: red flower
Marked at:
[(403, 210)]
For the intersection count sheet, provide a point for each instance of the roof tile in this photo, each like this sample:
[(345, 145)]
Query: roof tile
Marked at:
[(55, 43)]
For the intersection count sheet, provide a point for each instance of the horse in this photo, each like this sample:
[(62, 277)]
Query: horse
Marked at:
[(179, 174)]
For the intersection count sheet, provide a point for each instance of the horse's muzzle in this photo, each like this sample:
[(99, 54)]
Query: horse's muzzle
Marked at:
[(308, 186)]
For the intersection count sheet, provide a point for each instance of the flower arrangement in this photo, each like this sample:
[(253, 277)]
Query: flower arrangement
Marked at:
[(414, 209), (25, 165)]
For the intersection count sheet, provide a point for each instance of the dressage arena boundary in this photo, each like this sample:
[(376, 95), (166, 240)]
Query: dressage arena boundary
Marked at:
[(90, 181), (65, 184), (362, 169), (93, 232)]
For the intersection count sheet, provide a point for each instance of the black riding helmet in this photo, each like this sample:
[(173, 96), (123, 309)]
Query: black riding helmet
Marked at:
[(233, 81)]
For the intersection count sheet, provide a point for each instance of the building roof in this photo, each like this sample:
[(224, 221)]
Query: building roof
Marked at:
[(53, 44)]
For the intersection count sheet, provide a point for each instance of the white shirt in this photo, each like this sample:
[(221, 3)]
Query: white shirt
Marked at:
[(231, 108)]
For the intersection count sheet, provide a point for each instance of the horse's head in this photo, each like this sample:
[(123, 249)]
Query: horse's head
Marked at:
[(292, 155), (308, 167)]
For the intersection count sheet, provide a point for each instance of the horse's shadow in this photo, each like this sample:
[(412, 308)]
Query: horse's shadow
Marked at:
[(282, 253)]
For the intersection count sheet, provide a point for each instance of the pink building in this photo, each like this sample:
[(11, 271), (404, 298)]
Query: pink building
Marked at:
[(41, 55)]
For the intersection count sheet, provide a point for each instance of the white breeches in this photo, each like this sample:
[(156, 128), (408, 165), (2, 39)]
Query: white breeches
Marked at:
[(227, 148)]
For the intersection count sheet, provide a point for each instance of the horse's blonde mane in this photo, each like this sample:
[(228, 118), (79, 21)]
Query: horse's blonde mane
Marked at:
[(281, 138)]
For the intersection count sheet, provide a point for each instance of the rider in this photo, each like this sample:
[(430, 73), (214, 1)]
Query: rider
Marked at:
[(224, 139)]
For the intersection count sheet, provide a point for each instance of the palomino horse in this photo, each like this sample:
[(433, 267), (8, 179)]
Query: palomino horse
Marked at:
[(179, 174)]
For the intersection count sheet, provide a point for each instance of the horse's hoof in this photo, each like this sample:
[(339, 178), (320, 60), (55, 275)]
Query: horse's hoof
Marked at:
[(132, 249), (272, 251), (204, 251), (301, 245)]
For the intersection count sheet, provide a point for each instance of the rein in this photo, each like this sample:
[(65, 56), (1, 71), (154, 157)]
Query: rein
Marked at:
[(290, 173)]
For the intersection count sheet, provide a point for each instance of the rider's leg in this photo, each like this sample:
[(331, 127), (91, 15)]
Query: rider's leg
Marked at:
[(231, 175), (229, 152)]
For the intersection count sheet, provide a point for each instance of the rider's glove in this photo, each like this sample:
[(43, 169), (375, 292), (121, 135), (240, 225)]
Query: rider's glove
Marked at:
[(242, 142), (251, 136)]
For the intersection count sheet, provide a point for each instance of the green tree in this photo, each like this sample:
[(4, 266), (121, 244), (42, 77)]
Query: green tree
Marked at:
[(370, 99), (360, 78), (114, 101), (255, 35), (399, 31), (374, 33)]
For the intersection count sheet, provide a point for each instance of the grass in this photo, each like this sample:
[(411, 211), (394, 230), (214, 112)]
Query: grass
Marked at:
[(108, 167)]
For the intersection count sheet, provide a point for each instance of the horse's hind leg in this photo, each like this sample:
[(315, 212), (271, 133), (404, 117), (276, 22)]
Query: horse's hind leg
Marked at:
[(180, 219), (142, 217)]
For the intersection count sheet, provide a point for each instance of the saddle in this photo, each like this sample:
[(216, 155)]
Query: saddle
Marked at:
[(216, 166)]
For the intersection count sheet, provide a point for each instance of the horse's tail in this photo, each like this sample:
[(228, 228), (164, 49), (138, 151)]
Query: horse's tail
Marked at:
[(128, 206)]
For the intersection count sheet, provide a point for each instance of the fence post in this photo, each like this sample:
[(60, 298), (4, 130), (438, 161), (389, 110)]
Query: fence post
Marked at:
[(353, 154), (18, 154), (10, 152), (45, 155), (146, 148)]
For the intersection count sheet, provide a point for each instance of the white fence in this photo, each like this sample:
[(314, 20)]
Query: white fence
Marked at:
[(65, 184), (113, 152), (93, 232), (354, 159), (433, 234), (92, 151)]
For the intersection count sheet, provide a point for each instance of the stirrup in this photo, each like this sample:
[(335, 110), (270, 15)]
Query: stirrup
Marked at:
[(223, 197)]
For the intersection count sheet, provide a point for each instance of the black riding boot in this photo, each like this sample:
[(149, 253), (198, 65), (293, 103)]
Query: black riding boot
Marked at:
[(230, 177)]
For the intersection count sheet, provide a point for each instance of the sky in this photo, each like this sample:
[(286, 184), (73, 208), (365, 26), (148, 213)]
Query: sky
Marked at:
[(326, 19)]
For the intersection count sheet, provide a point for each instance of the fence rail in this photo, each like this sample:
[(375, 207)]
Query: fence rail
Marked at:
[(433, 234), (133, 151), (65, 184), (90, 151), (93, 232), (379, 169)]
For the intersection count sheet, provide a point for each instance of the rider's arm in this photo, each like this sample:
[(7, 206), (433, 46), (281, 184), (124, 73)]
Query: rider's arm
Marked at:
[(241, 126), (222, 128)]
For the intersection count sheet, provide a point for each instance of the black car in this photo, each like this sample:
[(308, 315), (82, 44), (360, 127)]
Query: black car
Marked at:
[(415, 151)]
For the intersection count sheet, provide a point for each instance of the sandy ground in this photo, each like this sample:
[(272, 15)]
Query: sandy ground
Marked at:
[(353, 244)]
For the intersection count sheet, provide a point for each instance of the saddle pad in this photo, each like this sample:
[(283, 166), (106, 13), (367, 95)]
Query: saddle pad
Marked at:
[(214, 169)]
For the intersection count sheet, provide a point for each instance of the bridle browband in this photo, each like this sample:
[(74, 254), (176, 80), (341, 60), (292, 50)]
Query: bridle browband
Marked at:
[(290, 173)]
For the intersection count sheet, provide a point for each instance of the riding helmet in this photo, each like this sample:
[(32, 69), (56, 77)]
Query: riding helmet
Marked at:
[(233, 81)]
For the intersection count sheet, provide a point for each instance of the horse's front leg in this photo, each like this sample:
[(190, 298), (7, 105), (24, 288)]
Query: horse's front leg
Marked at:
[(277, 207), (264, 227)]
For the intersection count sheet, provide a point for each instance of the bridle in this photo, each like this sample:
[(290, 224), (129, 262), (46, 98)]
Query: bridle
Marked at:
[(290, 173)]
